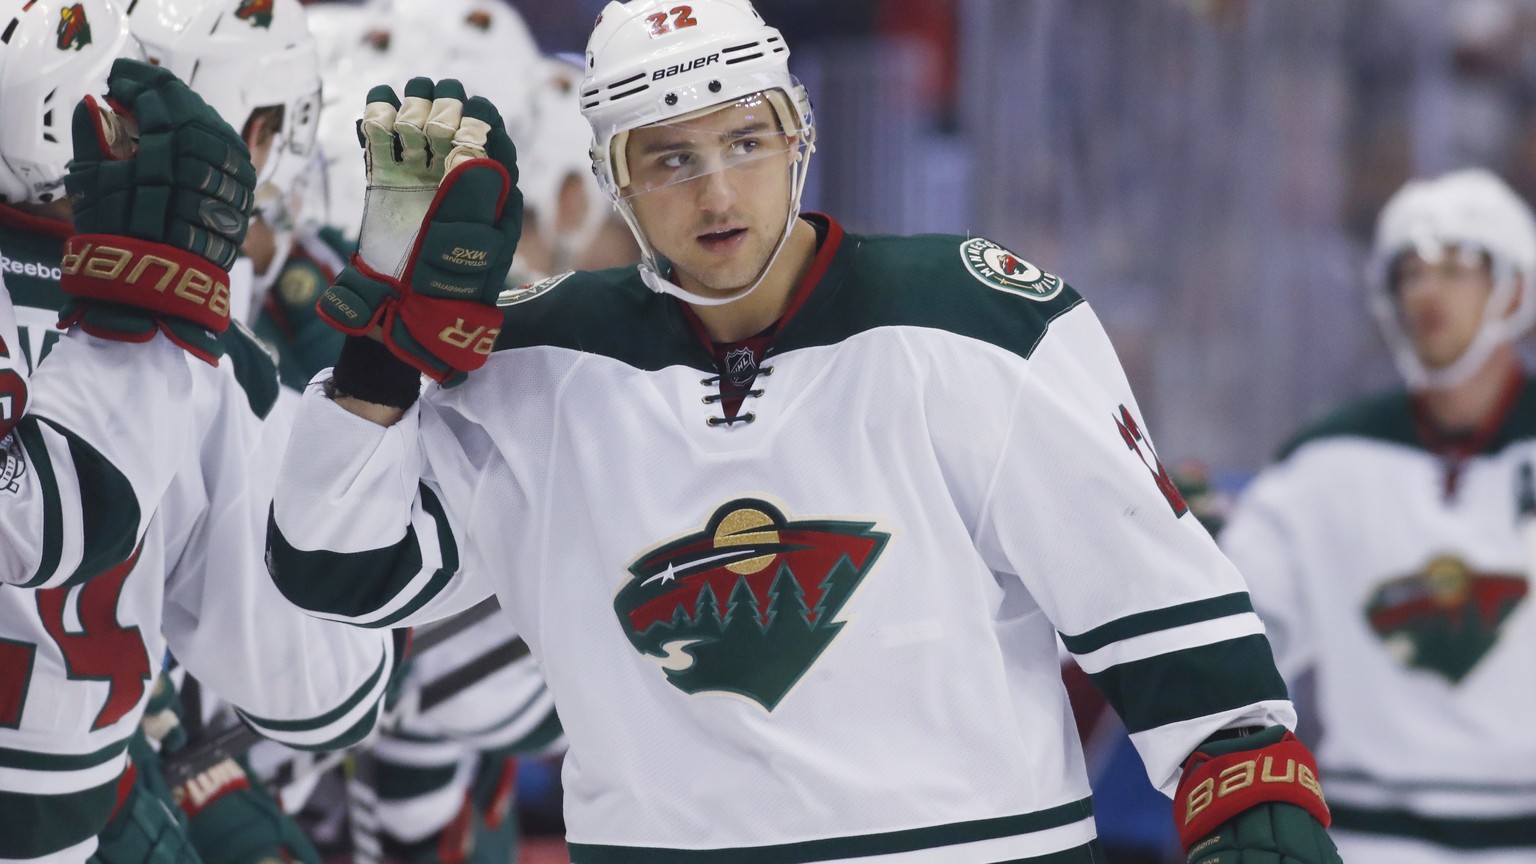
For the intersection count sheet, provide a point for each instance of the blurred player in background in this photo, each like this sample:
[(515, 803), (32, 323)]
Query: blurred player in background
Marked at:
[(1391, 546)]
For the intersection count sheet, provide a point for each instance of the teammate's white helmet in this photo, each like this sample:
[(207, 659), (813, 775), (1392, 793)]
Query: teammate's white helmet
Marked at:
[(1471, 210), (52, 53), (240, 55), (650, 61)]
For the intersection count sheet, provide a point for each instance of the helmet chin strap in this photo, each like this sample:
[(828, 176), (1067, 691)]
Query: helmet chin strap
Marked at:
[(1497, 329), (653, 279)]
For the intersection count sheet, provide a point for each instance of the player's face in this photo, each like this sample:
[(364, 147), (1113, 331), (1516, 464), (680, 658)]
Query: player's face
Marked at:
[(1441, 303), (712, 194)]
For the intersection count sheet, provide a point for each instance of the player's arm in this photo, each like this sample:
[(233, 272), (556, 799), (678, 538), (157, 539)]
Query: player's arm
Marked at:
[(1080, 508), (1261, 542), (300, 680), (162, 191), (360, 530)]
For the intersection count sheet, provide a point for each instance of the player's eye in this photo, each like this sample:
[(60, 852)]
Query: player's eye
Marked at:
[(745, 146), (674, 161)]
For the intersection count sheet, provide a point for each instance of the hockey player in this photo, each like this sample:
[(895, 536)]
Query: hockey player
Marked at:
[(1390, 547), (805, 617), (137, 484)]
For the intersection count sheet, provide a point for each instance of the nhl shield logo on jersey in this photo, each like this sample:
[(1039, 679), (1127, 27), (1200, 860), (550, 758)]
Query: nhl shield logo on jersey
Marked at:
[(1446, 617), (747, 605), (257, 12), (740, 366), (74, 28), (998, 268), (12, 464)]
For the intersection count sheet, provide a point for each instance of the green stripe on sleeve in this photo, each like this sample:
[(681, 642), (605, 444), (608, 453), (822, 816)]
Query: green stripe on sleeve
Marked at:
[(1142, 623), (275, 728), (1194, 682), (396, 781), (1512, 833), (109, 510), (30, 760), (32, 826), (542, 735), (834, 848), (53, 510), (354, 584)]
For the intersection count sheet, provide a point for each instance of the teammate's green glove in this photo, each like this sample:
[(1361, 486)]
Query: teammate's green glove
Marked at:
[(146, 828), (441, 221), (234, 821), (1253, 800), (162, 190)]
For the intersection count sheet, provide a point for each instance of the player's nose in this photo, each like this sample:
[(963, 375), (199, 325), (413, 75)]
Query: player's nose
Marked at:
[(715, 192)]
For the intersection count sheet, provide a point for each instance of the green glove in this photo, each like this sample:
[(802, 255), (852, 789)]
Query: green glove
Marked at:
[(234, 821), (1267, 833), (147, 828), (440, 223), (1254, 799), (162, 190)]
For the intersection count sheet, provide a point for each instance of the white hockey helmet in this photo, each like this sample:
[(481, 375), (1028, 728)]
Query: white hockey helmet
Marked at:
[(52, 53), (241, 55), (1469, 210), (650, 61)]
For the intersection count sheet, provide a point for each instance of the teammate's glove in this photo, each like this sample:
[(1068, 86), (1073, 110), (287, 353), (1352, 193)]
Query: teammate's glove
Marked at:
[(441, 221), (1253, 800), (162, 190), (234, 821)]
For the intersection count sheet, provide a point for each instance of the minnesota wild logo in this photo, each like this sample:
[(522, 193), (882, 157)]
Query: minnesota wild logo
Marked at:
[(257, 12), (747, 605), (1446, 617), (998, 268), (74, 29)]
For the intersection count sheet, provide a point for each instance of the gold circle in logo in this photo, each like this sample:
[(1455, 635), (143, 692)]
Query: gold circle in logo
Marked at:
[(1448, 580), (744, 527), (299, 285)]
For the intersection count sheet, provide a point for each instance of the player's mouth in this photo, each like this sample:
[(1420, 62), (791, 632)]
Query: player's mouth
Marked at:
[(723, 241)]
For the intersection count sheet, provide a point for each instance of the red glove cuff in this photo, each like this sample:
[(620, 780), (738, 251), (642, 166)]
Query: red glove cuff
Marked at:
[(461, 333), (197, 794), (157, 278), (1214, 789)]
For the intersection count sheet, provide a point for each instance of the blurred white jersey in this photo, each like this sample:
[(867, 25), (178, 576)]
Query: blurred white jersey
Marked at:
[(1400, 573)]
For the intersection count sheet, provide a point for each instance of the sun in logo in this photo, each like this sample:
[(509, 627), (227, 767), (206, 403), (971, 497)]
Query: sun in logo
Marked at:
[(74, 29)]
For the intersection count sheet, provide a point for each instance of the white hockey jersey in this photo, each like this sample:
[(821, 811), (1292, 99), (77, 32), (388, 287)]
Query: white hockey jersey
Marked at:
[(827, 632), (131, 523), (1398, 572)]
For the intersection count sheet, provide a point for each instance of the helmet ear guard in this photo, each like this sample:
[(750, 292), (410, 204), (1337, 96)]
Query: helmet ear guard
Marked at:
[(646, 64)]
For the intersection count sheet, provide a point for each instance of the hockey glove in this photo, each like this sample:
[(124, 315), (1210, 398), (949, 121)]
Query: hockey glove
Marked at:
[(234, 821), (1253, 800), (441, 220), (146, 828), (162, 190)]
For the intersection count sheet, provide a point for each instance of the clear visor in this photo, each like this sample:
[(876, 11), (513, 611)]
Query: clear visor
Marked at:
[(746, 135), (1429, 260)]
